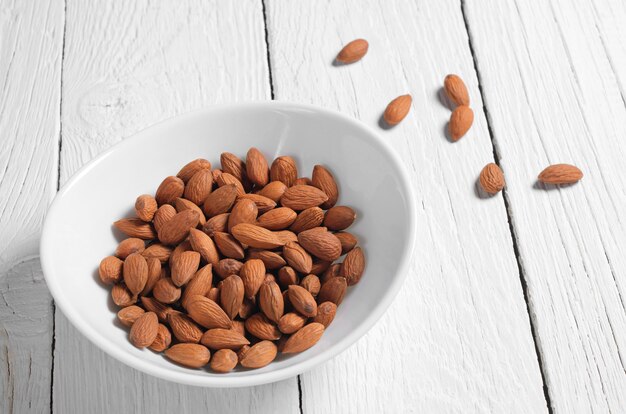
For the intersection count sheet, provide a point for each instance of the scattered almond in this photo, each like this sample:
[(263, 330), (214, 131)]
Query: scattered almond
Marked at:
[(353, 51), (491, 178), (110, 270), (560, 174), (456, 90), (145, 207), (461, 120), (170, 189), (397, 109)]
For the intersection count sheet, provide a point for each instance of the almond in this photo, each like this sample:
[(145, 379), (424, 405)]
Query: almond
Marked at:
[(303, 181), (227, 267), (228, 246), (252, 273), (200, 284), (297, 257), (291, 322), (220, 201), (213, 294), (165, 291), (277, 219), (263, 204), (456, 90), (304, 338), (158, 251), (233, 165), (219, 338), (244, 211), (121, 295), (129, 246), (185, 246), (308, 219), (135, 273), (332, 271), (256, 167), (170, 189), (460, 122), (274, 190), (189, 355), (183, 328), (154, 274), (145, 207), (144, 330), (162, 340), (339, 218), (204, 245), (301, 197), (224, 360), (231, 295), (269, 278), (199, 187), (271, 301), (333, 290), (239, 327), (207, 313), (271, 260), (216, 174), (255, 236), (164, 214), (287, 276), (353, 266), (184, 267), (325, 313), (491, 178), (284, 169), (286, 236), (320, 266), (182, 204), (560, 174), (302, 300), (261, 327), (134, 227), (192, 168), (397, 109), (110, 270), (248, 307), (353, 51), (324, 180), (152, 305), (242, 352), (227, 179), (321, 244), (312, 284), (177, 228), (216, 223), (128, 315), (347, 240), (259, 355)]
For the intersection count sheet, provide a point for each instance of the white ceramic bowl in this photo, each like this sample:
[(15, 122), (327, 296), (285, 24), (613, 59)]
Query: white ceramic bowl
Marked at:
[(77, 233)]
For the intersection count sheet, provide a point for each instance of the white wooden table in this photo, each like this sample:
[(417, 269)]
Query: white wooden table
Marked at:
[(514, 303)]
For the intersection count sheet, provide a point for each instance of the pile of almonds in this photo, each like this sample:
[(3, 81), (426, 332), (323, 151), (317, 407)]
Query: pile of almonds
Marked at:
[(271, 238)]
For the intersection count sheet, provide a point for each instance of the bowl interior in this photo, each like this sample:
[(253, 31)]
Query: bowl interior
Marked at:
[(78, 231)]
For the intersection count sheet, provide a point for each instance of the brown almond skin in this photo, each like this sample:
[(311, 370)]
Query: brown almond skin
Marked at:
[(134, 227), (203, 244), (128, 315), (287, 276), (262, 328), (228, 245), (461, 121), (145, 207), (154, 274), (320, 243), (183, 328), (256, 167), (339, 218), (163, 215), (271, 301), (456, 90), (302, 300), (169, 190), (227, 179), (252, 274), (144, 330), (165, 291), (297, 257), (110, 270), (244, 211), (353, 266), (129, 246), (291, 322), (158, 251), (135, 273), (274, 190), (121, 296), (323, 179), (332, 271), (303, 181), (284, 169), (348, 241), (153, 305), (491, 179), (182, 204), (227, 267), (301, 197), (216, 223), (272, 260), (325, 313), (263, 204), (304, 338), (191, 168), (231, 295), (224, 360), (277, 219), (189, 355), (308, 219), (234, 166), (320, 266), (163, 339), (220, 201), (255, 236), (559, 174), (207, 313), (199, 187), (397, 109), (353, 51), (312, 284), (200, 284), (219, 338), (333, 290), (185, 267), (177, 228), (258, 355)]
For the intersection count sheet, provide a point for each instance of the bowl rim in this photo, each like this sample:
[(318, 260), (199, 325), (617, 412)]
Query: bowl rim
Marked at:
[(252, 379)]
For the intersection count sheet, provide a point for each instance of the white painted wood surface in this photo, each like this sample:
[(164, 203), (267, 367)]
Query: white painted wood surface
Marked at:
[(458, 338)]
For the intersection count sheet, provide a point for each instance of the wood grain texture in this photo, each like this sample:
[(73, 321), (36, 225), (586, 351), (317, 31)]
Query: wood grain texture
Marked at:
[(30, 74), (458, 337), (128, 65), (553, 78)]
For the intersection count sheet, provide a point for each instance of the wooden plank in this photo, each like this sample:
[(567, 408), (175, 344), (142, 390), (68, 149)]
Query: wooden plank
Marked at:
[(458, 336), (552, 75), (30, 74), (127, 65)]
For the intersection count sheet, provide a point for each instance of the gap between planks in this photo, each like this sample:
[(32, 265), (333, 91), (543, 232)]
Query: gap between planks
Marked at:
[(505, 199)]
